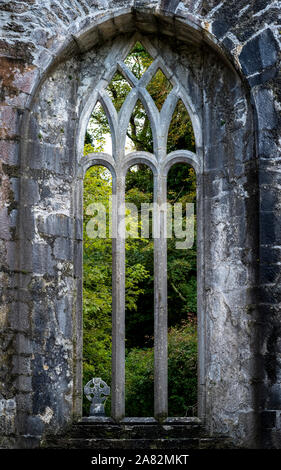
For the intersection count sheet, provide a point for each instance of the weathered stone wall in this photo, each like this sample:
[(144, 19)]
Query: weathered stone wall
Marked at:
[(48, 71)]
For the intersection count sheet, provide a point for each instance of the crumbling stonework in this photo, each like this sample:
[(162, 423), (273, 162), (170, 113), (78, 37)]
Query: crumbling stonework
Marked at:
[(53, 56)]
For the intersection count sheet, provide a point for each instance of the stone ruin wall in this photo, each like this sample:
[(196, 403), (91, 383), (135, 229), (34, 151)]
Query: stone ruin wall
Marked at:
[(42, 44)]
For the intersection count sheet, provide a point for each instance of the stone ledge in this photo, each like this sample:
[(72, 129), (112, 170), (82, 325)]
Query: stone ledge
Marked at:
[(134, 444), (138, 420)]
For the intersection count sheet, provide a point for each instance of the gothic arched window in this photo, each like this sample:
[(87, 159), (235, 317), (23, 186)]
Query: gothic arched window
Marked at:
[(138, 93)]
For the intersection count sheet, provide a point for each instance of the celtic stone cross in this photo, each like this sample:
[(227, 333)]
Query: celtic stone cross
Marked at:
[(97, 391)]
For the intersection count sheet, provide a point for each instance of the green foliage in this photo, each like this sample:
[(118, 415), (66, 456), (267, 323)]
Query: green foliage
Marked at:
[(182, 371), (98, 130), (88, 139), (139, 382), (138, 60), (118, 90), (180, 134), (139, 130), (159, 87), (139, 185)]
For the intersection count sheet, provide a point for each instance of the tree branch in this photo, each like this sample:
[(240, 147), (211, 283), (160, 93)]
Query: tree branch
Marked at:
[(178, 292)]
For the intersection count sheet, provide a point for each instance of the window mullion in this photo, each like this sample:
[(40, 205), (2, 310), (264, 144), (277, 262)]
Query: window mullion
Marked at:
[(160, 300), (118, 299)]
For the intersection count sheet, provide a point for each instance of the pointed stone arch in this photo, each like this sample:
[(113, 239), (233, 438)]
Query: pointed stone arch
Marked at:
[(226, 174)]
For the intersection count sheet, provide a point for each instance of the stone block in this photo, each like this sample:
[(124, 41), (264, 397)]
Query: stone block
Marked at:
[(220, 28), (274, 402), (21, 365), (4, 224), (268, 419), (42, 260), (259, 53), (18, 317), (63, 249), (169, 5), (56, 225), (267, 146), (265, 108), (13, 218), (263, 77), (270, 295), (12, 256), (14, 182), (24, 383), (8, 122), (270, 254), (24, 79), (63, 308), (270, 228), (270, 199), (9, 152), (79, 229), (42, 321), (34, 426), (27, 225), (269, 274), (29, 191), (24, 401), (23, 344), (49, 157)]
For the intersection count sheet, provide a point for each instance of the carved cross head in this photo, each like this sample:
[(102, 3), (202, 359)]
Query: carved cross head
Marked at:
[(97, 391)]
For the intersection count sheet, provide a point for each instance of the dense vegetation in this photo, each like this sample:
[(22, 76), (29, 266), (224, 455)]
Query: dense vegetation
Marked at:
[(139, 260)]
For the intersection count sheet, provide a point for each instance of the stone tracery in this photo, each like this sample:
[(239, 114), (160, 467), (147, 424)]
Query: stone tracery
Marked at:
[(160, 162)]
